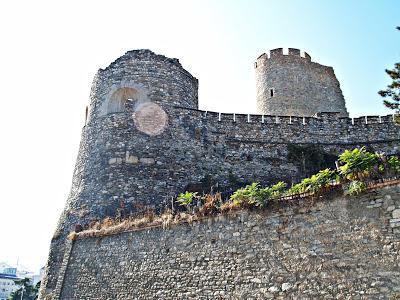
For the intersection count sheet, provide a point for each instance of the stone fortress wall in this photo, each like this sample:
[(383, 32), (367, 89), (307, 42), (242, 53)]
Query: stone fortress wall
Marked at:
[(145, 141), (343, 248)]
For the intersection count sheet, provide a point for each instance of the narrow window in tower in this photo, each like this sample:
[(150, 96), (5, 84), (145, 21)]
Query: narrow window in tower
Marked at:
[(86, 113), (271, 92)]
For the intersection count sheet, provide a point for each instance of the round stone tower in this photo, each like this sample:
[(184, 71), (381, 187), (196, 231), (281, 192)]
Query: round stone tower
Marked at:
[(126, 147), (292, 85), (142, 76), (128, 131)]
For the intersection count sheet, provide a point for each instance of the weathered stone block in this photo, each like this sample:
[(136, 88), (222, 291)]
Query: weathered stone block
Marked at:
[(131, 159), (147, 160), (115, 160), (396, 213)]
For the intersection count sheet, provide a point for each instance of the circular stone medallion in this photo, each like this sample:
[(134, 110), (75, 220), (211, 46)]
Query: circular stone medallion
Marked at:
[(150, 118)]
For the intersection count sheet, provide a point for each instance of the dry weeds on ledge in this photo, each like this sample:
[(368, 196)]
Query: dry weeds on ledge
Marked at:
[(109, 226)]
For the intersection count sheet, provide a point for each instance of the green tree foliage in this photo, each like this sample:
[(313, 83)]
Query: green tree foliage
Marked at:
[(316, 183), (276, 191), (394, 165), (358, 163), (356, 187), (26, 290), (392, 93), (356, 167), (250, 195), (254, 195)]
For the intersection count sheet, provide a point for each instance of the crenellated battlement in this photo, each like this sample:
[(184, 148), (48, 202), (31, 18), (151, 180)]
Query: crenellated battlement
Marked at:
[(278, 53), (323, 117), (325, 128)]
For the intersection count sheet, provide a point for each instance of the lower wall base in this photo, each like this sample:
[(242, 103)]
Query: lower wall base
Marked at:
[(345, 247)]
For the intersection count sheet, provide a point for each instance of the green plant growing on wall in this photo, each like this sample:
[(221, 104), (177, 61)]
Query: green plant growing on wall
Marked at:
[(295, 189), (381, 168), (315, 184), (250, 195), (357, 164), (320, 181), (305, 186), (246, 195), (309, 184), (254, 195), (186, 199), (326, 177), (394, 164), (356, 187), (277, 190)]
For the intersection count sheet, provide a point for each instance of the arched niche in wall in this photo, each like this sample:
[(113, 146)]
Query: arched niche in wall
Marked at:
[(117, 101), (119, 94)]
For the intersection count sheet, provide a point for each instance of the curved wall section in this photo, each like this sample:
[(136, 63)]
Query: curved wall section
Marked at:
[(153, 77)]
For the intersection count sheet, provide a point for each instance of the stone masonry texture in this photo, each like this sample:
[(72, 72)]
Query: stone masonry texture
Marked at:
[(300, 87), (343, 248), (145, 141)]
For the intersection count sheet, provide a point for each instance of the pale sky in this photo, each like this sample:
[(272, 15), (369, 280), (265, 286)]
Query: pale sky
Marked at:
[(50, 51)]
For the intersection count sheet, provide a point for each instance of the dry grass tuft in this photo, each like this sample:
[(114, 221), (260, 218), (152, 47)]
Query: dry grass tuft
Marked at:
[(210, 205), (110, 226), (232, 205), (185, 217), (167, 219)]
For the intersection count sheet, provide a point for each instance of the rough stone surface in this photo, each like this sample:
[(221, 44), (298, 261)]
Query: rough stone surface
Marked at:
[(396, 214), (130, 159), (286, 286), (291, 85), (332, 249)]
